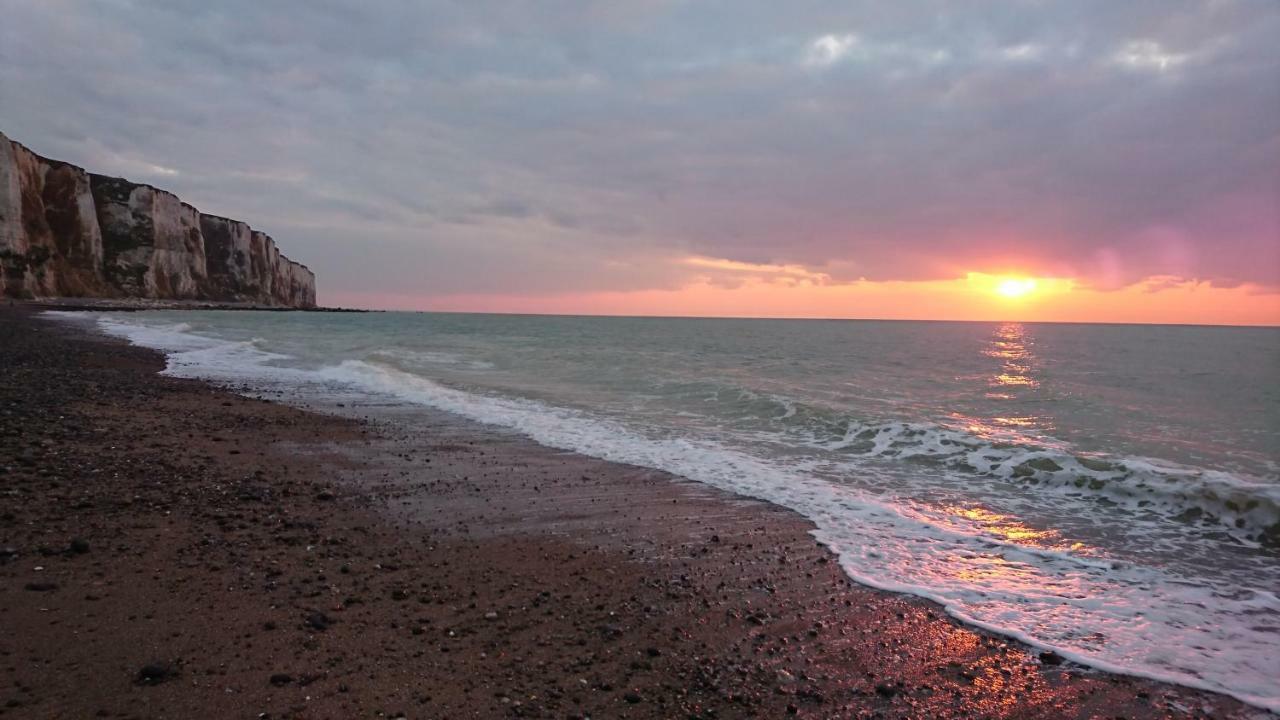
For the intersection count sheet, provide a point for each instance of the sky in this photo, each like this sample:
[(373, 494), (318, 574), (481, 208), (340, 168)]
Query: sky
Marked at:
[(742, 158)]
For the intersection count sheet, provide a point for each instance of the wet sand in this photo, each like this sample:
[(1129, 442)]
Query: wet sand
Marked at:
[(173, 550)]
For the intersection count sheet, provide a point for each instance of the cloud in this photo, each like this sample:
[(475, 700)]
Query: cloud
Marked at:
[(828, 49), (1148, 55), (1023, 52), (723, 272), (432, 146)]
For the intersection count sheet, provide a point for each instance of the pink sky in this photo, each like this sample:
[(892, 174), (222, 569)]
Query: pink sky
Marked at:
[(1158, 300), (809, 160)]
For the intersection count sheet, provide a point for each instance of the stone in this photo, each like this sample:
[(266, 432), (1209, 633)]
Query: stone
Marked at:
[(318, 621), (154, 673), (1051, 658)]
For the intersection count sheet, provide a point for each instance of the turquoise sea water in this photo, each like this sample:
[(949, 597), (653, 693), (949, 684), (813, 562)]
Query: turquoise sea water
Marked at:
[(1112, 492)]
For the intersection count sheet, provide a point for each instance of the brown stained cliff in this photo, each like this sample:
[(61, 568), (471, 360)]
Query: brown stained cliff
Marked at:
[(49, 239), (65, 232)]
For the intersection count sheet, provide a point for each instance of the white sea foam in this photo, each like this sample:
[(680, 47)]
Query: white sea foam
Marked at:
[(1125, 617)]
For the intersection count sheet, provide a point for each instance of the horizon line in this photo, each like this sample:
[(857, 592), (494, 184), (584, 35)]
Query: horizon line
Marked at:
[(1275, 326)]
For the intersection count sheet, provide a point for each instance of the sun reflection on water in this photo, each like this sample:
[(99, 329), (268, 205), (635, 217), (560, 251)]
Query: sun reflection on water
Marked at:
[(1011, 345), (1011, 382), (1001, 568), (1010, 529)]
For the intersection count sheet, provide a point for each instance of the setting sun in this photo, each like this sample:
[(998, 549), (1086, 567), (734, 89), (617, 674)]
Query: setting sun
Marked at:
[(1015, 287)]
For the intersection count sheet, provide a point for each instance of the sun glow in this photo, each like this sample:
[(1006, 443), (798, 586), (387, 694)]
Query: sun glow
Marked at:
[(1016, 287), (1007, 290)]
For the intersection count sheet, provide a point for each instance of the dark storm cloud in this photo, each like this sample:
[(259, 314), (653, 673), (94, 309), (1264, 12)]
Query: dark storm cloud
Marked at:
[(444, 147)]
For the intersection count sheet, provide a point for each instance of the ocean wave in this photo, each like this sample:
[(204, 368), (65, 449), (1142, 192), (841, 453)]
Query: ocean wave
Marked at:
[(407, 359), (1246, 509)]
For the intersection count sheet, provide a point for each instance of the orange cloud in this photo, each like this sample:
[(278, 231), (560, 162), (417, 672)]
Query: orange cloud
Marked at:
[(716, 270)]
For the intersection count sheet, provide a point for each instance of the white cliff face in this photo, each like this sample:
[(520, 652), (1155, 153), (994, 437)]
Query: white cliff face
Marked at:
[(152, 240), (73, 219), (12, 240), (66, 232), (229, 251), (248, 261), (11, 236), (301, 284), (265, 248)]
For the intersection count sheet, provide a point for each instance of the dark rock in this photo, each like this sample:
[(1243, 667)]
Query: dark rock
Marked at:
[(41, 586), (318, 621), (156, 672), (79, 546), (886, 690), (280, 679), (1051, 658)]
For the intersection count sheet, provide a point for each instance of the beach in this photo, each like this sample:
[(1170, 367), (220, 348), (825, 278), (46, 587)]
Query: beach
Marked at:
[(170, 549)]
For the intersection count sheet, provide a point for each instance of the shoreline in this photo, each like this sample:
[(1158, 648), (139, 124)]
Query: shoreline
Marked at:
[(306, 565)]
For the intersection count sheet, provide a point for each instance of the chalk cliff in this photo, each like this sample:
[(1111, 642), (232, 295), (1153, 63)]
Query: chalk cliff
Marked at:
[(65, 232)]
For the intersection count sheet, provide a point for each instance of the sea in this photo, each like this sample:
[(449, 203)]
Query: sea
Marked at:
[(1108, 492)]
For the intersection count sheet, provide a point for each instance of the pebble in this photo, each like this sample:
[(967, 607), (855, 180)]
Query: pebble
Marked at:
[(156, 672), (1051, 658), (318, 621)]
